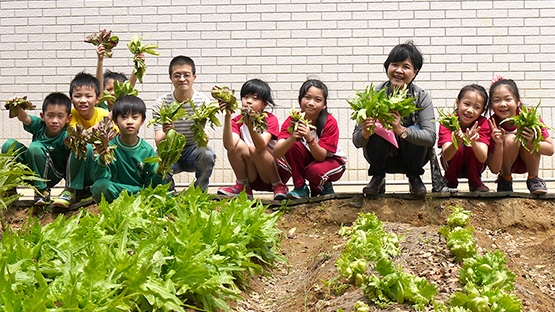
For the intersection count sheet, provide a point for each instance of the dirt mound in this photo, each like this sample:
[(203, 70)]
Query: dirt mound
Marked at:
[(522, 228)]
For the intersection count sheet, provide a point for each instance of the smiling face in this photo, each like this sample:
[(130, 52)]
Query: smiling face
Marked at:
[(503, 102), (470, 107), (312, 103), (84, 99), (55, 118), (401, 73)]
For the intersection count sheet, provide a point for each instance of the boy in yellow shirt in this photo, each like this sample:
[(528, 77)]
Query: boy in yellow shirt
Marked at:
[(84, 91)]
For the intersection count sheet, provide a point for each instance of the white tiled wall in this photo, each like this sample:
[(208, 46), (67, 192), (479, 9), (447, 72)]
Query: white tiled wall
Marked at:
[(344, 43)]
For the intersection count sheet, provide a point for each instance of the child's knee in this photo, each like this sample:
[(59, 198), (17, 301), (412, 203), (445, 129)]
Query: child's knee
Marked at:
[(98, 188), (6, 146)]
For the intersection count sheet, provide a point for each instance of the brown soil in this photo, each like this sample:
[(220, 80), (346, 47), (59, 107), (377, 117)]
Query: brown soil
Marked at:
[(522, 228)]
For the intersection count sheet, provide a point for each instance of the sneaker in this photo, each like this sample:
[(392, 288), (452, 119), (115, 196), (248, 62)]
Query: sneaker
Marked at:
[(375, 186), (42, 197), (504, 185), (66, 199), (480, 188), (416, 186), (280, 190), (328, 189), (300, 192), (235, 190), (536, 186)]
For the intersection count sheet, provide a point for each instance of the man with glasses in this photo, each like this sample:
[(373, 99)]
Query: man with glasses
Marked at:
[(199, 160)]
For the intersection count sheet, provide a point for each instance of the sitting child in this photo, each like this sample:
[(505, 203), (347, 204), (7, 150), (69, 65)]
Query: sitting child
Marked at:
[(47, 154), (127, 172)]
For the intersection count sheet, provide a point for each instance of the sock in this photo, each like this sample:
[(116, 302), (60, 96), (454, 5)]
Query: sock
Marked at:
[(242, 181), (507, 178), (531, 177), (276, 183)]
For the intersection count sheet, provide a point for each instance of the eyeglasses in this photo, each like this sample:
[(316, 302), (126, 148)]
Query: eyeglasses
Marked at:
[(178, 76)]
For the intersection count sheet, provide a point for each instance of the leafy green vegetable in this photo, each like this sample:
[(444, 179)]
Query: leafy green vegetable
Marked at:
[(170, 113), (149, 252), (169, 151), (258, 119), (15, 102), (76, 141), (461, 243), (487, 270), (100, 138), (120, 89), (225, 95), (451, 122), (12, 175), (458, 218), (104, 38), (528, 118), (206, 112), (378, 105), (136, 47), (297, 117)]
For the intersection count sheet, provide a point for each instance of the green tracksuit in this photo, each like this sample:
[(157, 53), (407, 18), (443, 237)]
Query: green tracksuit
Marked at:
[(127, 172), (47, 157)]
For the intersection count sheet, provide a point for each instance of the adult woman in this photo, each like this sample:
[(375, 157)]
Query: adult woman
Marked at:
[(414, 134)]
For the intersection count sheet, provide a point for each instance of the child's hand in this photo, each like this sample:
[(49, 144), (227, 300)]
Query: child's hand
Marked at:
[(100, 49), (528, 134), (140, 56), (473, 134), (497, 134), (223, 105), (303, 131), (459, 135)]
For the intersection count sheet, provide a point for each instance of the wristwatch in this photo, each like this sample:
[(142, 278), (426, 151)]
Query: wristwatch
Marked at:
[(405, 134)]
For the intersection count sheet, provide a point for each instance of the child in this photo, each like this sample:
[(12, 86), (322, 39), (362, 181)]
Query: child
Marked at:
[(414, 134), (127, 172), (47, 154), (467, 161), (250, 152), (314, 155), (506, 155), (83, 91), (107, 79)]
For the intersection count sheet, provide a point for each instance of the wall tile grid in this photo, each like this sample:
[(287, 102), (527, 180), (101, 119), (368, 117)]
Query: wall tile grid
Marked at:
[(344, 43)]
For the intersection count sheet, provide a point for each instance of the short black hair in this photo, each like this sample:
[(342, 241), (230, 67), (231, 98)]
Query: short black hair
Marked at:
[(128, 103), (182, 60), (108, 74), (57, 98), (403, 51), (260, 88), (84, 79)]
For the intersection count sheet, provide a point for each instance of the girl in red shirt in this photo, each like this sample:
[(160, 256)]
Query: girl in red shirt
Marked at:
[(467, 161), (312, 153), (250, 152)]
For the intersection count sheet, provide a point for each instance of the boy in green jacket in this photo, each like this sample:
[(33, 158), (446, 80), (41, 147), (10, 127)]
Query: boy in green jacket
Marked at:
[(47, 154), (127, 172)]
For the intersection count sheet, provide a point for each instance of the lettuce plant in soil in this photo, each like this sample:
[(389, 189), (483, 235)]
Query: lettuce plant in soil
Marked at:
[(148, 252)]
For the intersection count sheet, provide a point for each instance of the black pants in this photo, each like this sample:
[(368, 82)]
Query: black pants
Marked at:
[(385, 158)]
